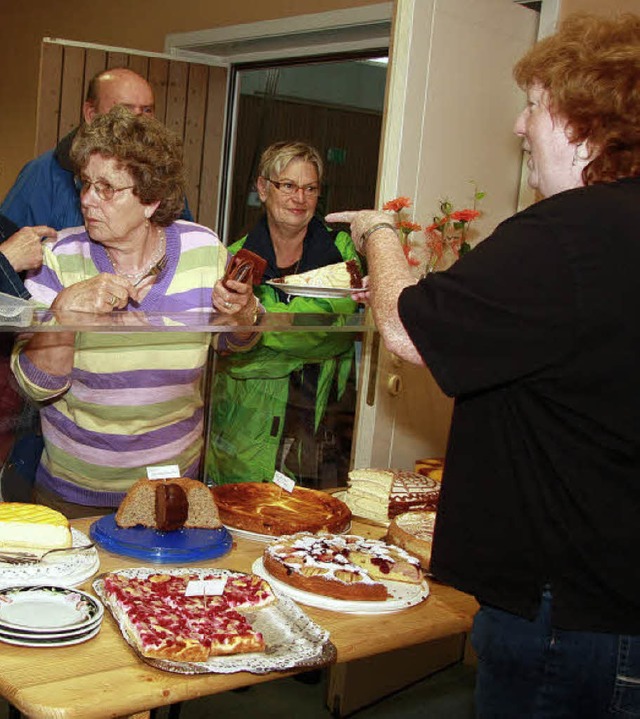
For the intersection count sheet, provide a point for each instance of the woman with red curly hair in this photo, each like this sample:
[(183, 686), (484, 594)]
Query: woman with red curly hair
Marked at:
[(536, 335)]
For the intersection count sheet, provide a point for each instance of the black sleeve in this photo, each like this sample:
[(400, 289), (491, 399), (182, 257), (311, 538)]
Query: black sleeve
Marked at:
[(503, 311), (7, 228)]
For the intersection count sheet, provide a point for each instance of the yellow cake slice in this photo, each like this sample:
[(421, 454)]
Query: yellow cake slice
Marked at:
[(32, 526)]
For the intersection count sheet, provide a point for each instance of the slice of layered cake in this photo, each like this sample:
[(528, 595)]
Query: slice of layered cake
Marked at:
[(342, 275), (382, 494)]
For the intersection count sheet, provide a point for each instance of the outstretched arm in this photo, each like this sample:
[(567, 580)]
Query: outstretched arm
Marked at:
[(375, 237)]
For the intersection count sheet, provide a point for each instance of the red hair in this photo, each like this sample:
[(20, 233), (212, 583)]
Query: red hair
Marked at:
[(591, 71)]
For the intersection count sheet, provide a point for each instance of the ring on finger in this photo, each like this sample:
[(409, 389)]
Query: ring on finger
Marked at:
[(112, 300), (227, 304)]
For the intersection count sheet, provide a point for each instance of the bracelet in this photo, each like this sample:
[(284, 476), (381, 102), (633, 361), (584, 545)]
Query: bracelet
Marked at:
[(375, 228)]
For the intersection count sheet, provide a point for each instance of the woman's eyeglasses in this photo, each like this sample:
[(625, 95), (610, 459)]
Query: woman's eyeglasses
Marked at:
[(290, 188), (104, 190)]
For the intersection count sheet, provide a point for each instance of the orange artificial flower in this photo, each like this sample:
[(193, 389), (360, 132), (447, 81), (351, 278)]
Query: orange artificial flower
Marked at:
[(400, 203), (439, 224), (406, 226), (464, 215)]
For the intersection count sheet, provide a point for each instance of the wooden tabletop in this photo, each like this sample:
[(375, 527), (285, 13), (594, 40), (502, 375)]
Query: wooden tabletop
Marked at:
[(103, 677)]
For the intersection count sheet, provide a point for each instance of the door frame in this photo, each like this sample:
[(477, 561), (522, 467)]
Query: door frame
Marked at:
[(311, 35)]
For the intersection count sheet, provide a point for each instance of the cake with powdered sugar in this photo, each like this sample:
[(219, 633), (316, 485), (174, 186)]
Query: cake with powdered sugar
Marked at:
[(341, 566), (382, 494), (341, 275)]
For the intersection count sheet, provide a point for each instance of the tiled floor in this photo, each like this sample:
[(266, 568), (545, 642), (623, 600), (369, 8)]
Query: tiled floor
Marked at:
[(445, 695)]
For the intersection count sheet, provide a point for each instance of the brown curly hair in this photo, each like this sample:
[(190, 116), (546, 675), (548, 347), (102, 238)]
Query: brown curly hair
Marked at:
[(591, 70), (147, 149)]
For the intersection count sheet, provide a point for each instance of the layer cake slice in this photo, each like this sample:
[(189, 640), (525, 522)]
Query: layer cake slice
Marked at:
[(382, 494), (341, 275)]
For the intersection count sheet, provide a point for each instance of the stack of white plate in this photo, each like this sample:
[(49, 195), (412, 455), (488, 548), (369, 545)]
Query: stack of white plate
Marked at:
[(48, 616), (65, 569)]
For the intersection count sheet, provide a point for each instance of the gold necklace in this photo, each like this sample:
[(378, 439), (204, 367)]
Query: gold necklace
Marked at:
[(134, 277)]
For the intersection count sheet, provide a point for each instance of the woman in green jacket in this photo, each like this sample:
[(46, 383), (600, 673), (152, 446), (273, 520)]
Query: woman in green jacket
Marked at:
[(269, 406)]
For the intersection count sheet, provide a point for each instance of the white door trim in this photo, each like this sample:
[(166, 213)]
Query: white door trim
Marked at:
[(338, 31)]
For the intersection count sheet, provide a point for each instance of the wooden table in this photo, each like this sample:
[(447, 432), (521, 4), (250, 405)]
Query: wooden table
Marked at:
[(104, 678)]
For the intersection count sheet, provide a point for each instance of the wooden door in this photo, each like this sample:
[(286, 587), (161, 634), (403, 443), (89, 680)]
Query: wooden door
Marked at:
[(450, 107), (190, 99)]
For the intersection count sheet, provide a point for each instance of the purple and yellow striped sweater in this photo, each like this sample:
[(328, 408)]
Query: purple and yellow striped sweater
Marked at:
[(133, 400)]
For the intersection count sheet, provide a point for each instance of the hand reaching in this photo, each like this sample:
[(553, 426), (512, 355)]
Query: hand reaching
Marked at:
[(361, 221), (24, 248)]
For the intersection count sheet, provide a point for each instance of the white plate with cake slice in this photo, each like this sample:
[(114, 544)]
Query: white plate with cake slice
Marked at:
[(401, 595), (66, 568), (308, 291)]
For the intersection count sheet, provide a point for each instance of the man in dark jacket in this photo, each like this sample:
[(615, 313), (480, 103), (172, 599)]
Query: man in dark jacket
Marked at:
[(44, 192)]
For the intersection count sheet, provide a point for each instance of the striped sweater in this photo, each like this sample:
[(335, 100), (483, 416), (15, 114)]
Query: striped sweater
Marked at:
[(132, 400)]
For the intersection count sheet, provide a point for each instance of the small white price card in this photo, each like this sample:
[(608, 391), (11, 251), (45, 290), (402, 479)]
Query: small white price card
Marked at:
[(167, 471), (283, 481), (205, 587)]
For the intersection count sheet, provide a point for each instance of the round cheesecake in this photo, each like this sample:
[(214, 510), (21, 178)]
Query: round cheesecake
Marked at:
[(265, 508)]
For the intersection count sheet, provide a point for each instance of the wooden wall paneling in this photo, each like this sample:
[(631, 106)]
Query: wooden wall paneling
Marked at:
[(72, 89), (176, 96), (139, 64), (352, 184), (95, 61), (248, 147), (198, 83), (117, 59), (49, 89), (212, 148), (190, 99), (159, 80)]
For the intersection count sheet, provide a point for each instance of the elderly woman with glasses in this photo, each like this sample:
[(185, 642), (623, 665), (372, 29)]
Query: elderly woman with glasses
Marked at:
[(269, 407), (114, 404)]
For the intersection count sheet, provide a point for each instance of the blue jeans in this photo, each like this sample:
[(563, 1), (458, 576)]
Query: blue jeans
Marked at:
[(529, 670)]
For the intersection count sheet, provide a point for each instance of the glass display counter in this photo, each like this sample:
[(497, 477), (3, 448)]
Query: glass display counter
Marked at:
[(298, 357)]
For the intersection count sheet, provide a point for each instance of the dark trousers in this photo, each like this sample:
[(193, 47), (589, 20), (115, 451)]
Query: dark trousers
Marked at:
[(529, 670)]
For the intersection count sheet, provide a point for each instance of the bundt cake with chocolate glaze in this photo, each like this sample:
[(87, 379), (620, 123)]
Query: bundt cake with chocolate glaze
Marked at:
[(168, 504)]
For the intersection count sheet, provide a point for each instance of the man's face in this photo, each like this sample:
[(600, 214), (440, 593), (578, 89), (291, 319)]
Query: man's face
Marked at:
[(121, 87)]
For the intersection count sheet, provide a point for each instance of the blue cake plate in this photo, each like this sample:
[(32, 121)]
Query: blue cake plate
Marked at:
[(152, 545)]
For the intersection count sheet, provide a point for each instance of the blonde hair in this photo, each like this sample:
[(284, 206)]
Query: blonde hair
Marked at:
[(277, 156)]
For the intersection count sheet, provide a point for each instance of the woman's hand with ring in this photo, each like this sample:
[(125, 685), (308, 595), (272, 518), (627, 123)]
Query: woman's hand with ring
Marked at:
[(233, 298), (101, 294)]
